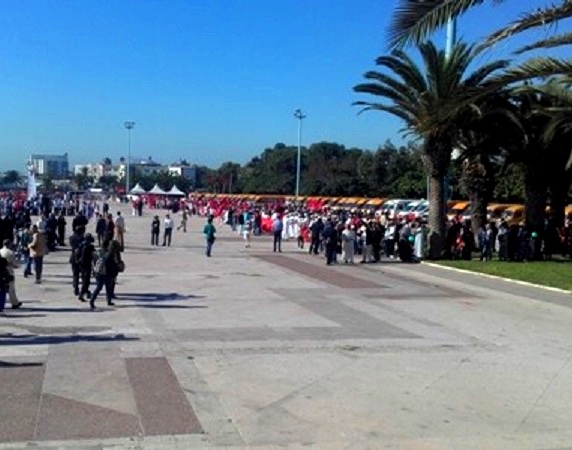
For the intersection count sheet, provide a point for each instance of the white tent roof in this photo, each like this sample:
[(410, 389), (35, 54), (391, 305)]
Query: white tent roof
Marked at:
[(157, 190), (137, 190), (176, 191)]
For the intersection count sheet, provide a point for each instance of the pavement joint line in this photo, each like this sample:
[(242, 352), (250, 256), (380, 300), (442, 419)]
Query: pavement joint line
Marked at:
[(497, 277)]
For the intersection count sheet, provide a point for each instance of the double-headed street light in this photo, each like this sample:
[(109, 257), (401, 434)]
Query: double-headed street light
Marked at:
[(129, 126), (298, 114)]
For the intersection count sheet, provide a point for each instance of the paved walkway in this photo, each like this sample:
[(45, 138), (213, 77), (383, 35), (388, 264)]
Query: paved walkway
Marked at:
[(252, 349)]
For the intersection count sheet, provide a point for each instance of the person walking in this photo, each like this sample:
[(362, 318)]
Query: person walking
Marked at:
[(5, 279), (120, 229), (183, 223), (348, 242), (24, 241), (330, 235), (209, 232), (62, 229), (102, 275), (12, 263), (155, 230), (247, 232), (115, 265), (86, 266), (76, 242), (109, 228), (168, 232), (100, 227), (277, 228), (38, 249)]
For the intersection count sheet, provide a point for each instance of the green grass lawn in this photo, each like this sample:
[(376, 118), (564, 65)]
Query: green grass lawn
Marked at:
[(556, 273)]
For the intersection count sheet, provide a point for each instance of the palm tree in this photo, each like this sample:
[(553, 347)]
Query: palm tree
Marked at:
[(434, 102), (414, 20), (484, 143), (557, 135)]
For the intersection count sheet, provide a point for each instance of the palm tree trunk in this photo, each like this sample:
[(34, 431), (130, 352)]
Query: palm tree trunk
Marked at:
[(436, 219), (479, 203), (536, 194), (436, 158), (478, 181), (559, 186)]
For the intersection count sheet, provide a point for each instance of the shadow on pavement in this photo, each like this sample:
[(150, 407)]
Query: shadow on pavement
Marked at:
[(56, 309), (16, 315), (139, 305), (155, 297), (5, 364), (9, 339)]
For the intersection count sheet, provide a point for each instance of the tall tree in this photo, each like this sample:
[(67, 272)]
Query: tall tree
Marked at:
[(434, 101)]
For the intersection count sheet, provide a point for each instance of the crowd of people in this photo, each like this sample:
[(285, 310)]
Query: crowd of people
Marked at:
[(339, 235)]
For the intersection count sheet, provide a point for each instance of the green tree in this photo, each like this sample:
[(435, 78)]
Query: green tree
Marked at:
[(434, 102), (108, 182), (82, 180), (12, 177)]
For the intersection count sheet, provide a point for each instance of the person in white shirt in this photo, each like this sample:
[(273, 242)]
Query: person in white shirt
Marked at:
[(8, 254), (348, 241), (120, 229), (168, 226)]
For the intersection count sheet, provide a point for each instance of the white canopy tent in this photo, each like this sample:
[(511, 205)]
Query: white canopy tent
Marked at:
[(157, 190), (137, 190), (176, 191)]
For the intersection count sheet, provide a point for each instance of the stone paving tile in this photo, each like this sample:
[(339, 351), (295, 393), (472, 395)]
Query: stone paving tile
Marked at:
[(162, 405), (20, 391), (61, 418), (327, 275)]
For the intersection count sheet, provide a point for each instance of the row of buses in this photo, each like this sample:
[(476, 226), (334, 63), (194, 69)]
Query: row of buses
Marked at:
[(409, 209)]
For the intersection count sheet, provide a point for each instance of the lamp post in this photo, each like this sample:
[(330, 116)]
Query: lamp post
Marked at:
[(451, 39), (298, 114), (129, 126)]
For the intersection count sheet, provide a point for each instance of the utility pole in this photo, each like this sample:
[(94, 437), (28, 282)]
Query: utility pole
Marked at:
[(129, 126), (298, 114)]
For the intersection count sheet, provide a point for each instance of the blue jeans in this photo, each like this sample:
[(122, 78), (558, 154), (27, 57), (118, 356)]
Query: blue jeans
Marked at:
[(27, 264), (100, 281), (209, 247), (39, 267)]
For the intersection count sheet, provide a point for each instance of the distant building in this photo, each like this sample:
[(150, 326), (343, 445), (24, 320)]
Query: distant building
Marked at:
[(91, 170), (53, 166), (185, 171)]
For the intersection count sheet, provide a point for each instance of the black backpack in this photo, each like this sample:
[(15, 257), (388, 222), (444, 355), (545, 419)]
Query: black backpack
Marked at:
[(77, 254)]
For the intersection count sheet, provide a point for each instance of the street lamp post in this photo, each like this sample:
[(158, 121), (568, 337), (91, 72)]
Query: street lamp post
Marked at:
[(451, 39), (129, 126), (298, 114)]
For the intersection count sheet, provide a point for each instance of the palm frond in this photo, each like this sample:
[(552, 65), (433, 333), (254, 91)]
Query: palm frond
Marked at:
[(482, 73), (551, 42), (400, 88), (414, 20), (396, 111), (410, 74), (541, 17), (413, 76), (389, 94), (540, 67)]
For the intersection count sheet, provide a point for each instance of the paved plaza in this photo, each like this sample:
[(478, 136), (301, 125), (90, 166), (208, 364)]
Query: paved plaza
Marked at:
[(255, 349)]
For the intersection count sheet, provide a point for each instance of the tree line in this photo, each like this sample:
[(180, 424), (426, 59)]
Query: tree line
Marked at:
[(517, 112)]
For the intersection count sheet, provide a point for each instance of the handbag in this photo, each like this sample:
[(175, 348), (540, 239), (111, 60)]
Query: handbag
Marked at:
[(121, 266)]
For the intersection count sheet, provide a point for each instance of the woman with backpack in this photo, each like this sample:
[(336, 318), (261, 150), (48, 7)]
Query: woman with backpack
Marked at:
[(103, 274)]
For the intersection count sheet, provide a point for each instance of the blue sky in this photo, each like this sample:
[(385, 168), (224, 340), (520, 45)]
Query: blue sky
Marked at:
[(209, 81)]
